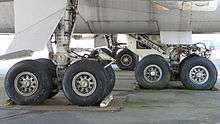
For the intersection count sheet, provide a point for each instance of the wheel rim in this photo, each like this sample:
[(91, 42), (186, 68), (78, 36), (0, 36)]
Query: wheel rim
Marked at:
[(152, 73), (84, 84), (26, 84), (126, 60), (199, 75)]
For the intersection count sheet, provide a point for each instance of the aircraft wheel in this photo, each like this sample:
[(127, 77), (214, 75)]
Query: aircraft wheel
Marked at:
[(27, 82), (153, 72), (51, 69), (198, 73), (110, 75), (84, 83), (126, 60)]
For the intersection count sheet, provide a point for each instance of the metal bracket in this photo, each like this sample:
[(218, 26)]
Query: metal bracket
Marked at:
[(106, 101)]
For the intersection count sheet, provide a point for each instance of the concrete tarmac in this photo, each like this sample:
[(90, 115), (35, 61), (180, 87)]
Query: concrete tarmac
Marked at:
[(169, 106)]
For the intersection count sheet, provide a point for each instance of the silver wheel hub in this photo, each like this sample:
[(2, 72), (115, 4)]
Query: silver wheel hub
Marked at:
[(126, 60), (153, 73), (199, 75), (26, 83), (84, 84)]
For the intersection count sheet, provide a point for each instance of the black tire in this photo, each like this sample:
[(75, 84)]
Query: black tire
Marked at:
[(161, 66), (51, 69), (74, 71), (207, 82), (128, 64), (176, 75), (185, 59), (50, 65), (35, 68), (111, 78)]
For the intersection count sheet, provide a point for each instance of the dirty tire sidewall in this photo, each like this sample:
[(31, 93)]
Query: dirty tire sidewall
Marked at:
[(51, 70), (198, 61), (152, 60), (110, 75), (134, 57), (93, 68), (50, 65), (44, 86)]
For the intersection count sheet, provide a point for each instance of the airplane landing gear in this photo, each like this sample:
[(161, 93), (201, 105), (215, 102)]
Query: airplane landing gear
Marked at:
[(85, 81), (188, 63)]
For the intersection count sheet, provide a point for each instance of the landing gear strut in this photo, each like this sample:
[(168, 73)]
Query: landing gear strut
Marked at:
[(85, 81)]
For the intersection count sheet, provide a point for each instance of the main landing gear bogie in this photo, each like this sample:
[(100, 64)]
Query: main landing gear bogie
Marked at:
[(85, 82), (196, 73)]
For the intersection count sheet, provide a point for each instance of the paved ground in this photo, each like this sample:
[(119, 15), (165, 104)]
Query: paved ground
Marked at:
[(169, 106)]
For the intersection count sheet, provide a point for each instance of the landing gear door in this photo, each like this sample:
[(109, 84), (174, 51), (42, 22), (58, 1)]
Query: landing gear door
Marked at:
[(35, 21)]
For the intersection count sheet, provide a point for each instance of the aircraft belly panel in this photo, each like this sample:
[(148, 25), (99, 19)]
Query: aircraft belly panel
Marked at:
[(106, 16), (124, 26), (206, 26), (126, 16), (174, 20)]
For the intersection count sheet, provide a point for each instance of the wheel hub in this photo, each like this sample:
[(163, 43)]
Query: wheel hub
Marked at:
[(84, 84), (152, 73), (126, 60), (26, 84), (199, 74)]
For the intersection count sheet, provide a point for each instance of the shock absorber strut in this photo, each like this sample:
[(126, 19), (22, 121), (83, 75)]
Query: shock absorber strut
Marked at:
[(63, 37)]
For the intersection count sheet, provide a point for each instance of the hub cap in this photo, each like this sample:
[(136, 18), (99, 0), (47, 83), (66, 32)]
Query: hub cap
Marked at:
[(26, 83), (84, 84), (126, 60), (152, 73), (199, 75)]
